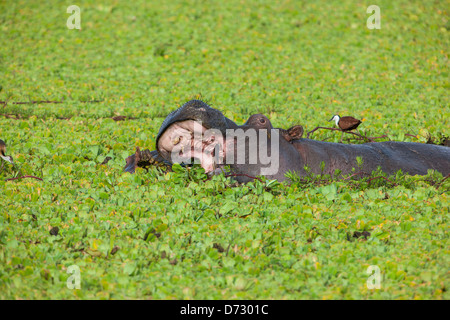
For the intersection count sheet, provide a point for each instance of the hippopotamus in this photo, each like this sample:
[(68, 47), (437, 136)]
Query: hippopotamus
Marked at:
[(198, 133)]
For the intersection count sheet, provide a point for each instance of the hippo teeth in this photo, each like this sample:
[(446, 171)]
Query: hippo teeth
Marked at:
[(188, 140), (176, 141)]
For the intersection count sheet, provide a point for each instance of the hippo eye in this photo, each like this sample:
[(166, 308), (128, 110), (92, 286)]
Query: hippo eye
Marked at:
[(262, 120)]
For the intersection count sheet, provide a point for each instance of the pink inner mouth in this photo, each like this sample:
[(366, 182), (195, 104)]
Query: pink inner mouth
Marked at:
[(187, 140)]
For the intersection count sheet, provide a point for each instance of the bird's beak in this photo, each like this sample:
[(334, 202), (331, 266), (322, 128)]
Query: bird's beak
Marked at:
[(331, 118)]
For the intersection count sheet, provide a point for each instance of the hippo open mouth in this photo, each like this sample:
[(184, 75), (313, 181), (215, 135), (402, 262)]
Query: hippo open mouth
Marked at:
[(190, 142)]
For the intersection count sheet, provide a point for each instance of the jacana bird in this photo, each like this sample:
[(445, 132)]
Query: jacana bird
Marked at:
[(346, 123), (3, 152)]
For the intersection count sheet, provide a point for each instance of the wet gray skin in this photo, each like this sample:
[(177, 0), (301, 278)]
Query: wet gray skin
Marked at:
[(177, 134)]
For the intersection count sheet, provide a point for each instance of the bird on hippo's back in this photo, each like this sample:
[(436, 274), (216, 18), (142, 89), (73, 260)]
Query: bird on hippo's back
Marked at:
[(346, 123)]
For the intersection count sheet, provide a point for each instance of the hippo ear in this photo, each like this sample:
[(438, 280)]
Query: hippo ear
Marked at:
[(296, 132)]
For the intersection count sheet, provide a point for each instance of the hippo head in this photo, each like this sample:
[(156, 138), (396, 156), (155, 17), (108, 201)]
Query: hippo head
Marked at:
[(194, 132)]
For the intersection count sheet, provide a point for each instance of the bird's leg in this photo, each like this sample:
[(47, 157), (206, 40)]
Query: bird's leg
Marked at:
[(342, 136)]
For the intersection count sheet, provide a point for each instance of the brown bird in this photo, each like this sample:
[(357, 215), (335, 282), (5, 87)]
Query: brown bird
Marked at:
[(3, 152), (345, 123), (293, 133)]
